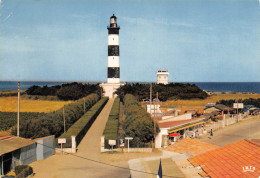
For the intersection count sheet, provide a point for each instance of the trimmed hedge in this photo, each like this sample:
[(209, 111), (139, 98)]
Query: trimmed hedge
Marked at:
[(52, 123), (111, 129), (9, 119), (138, 123), (23, 171), (80, 128)]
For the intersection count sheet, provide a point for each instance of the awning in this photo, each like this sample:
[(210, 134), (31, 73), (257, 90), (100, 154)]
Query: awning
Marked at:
[(181, 128), (174, 135)]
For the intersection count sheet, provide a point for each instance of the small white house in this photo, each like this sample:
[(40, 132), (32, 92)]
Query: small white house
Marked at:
[(154, 108)]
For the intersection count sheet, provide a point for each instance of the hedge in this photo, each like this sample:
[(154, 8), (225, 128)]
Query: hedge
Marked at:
[(53, 123), (80, 128), (172, 91), (138, 123), (9, 119), (111, 129), (22, 171)]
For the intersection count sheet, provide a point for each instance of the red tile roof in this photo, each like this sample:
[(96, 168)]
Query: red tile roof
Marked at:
[(232, 160), (5, 137), (175, 123)]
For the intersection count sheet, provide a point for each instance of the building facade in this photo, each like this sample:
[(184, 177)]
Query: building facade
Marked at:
[(162, 77)]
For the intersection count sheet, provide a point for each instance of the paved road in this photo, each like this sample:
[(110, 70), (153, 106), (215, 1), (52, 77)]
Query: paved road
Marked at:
[(78, 165), (246, 129)]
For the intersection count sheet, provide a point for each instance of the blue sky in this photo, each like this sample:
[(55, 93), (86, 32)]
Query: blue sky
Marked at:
[(196, 40)]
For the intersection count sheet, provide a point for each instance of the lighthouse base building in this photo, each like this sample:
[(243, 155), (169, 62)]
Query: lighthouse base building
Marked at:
[(113, 70), (110, 88)]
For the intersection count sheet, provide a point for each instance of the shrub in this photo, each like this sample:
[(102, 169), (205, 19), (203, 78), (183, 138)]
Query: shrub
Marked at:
[(53, 123), (80, 128), (111, 129), (138, 123), (249, 101), (22, 171), (166, 92), (70, 91), (9, 119)]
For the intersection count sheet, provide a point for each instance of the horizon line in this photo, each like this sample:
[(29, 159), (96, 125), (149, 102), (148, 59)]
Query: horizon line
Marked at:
[(101, 81)]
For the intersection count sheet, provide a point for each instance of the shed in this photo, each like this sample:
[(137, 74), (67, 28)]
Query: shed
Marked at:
[(15, 151)]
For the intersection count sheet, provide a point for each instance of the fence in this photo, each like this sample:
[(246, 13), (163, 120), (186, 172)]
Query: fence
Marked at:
[(226, 121), (133, 147)]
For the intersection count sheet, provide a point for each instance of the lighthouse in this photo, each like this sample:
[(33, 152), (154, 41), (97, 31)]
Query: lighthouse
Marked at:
[(113, 69)]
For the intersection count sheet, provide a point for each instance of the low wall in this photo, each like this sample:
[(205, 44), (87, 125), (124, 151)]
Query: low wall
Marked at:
[(176, 118), (70, 146), (226, 121), (45, 147), (131, 150)]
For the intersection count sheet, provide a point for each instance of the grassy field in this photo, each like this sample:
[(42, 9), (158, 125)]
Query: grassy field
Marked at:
[(200, 104), (9, 104)]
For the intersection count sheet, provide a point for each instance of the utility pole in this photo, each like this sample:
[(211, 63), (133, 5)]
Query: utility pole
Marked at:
[(18, 111), (151, 99), (237, 110), (64, 119), (154, 123), (84, 106)]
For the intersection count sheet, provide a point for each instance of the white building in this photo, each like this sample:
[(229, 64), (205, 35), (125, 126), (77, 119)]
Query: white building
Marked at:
[(154, 108), (162, 77)]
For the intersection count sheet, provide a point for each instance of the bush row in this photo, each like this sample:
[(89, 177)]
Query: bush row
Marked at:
[(80, 128), (138, 123), (70, 91), (250, 101), (172, 91), (53, 123), (9, 119), (111, 129)]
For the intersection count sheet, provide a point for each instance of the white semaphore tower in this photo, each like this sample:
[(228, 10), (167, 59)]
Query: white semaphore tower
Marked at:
[(113, 70), (162, 77)]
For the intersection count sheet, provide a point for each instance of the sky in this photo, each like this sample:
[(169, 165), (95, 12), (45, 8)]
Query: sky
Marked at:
[(195, 40)]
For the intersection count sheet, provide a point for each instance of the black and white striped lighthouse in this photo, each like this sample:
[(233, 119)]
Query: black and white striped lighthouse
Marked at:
[(113, 70)]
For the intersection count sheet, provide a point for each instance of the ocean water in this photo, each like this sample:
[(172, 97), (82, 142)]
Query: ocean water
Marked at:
[(12, 85), (253, 87)]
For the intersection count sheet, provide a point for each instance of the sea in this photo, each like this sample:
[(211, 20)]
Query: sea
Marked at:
[(251, 87)]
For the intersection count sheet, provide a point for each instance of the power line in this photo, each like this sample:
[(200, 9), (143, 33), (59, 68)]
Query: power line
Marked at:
[(100, 162)]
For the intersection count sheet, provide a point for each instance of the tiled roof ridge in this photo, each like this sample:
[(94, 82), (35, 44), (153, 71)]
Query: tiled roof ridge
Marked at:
[(5, 137), (252, 142)]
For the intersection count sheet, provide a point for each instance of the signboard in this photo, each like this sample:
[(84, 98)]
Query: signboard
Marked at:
[(61, 140), (112, 142), (238, 105), (121, 142), (128, 138)]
